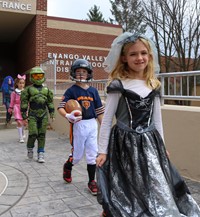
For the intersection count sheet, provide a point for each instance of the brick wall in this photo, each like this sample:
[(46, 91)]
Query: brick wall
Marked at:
[(39, 42), (41, 5), (41, 32), (86, 40), (31, 45)]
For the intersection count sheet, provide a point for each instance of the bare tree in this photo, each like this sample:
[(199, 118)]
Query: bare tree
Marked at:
[(129, 14), (175, 26)]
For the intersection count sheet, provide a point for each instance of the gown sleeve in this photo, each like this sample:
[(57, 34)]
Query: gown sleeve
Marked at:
[(106, 125), (157, 116)]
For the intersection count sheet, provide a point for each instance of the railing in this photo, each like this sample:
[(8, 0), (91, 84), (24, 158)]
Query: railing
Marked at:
[(100, 85), (174, 86), (180, 86)]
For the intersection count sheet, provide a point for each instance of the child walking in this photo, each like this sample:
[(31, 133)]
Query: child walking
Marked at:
[(15, 105), (84, 129), (7, 88), (134, 173), (36, 102)]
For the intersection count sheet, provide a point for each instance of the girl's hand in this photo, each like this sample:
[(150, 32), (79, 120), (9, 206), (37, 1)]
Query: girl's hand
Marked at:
[(25, 122), (100, 160), (10, 110)]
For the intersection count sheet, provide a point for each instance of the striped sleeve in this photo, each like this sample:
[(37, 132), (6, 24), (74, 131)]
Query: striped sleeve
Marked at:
[(66, 96), (100, 110), (61, 104)]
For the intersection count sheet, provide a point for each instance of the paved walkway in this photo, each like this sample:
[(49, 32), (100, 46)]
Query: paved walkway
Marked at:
[(30, 189), (35, 189)]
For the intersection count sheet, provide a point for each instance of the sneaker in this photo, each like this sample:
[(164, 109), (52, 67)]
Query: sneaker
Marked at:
[(30, 153), (21, 140), (92, 186), (41, 157), (67, 174)]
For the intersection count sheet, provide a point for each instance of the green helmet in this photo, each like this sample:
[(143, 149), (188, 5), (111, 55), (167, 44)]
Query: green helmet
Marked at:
[(37, 76)]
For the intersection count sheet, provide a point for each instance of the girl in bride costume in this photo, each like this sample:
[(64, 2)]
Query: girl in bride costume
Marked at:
[(135, 176)]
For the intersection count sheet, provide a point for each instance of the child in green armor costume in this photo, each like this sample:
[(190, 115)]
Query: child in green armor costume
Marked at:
[(35, 101)]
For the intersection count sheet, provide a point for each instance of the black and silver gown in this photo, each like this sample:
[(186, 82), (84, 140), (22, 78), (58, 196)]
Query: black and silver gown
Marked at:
[(137, 179)]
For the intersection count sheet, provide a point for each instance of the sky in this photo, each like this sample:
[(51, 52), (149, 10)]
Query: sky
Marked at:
[(77, 9)]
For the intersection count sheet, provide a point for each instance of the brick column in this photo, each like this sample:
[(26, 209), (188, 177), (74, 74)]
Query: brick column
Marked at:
[(41, 31)]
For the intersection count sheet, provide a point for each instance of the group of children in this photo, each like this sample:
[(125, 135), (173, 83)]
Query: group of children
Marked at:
[(29, 106), (134, 172)]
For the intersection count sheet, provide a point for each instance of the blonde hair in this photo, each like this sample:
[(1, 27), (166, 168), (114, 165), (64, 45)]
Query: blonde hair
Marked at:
[(121, 70)]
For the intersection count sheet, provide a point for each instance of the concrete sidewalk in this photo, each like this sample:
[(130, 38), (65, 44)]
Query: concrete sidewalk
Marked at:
[(38, 190)]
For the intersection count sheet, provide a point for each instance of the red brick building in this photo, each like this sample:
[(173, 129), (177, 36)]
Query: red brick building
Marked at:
[(28, 37)]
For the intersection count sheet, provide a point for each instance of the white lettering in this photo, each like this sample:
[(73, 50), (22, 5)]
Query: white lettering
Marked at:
[(68, 63), (51, 62), (65, 56), (61, 62), (49, 55), (28, 7), (62, 69), (5, 4), (93, 58), (55, 55), (15, 6), (58, 69), (11, 5), (76, 57), (64, 61), (99, 65), (60, 56), (71, 56)]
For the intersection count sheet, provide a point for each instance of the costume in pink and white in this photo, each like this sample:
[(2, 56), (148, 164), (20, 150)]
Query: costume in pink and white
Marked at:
[(15, 104)]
